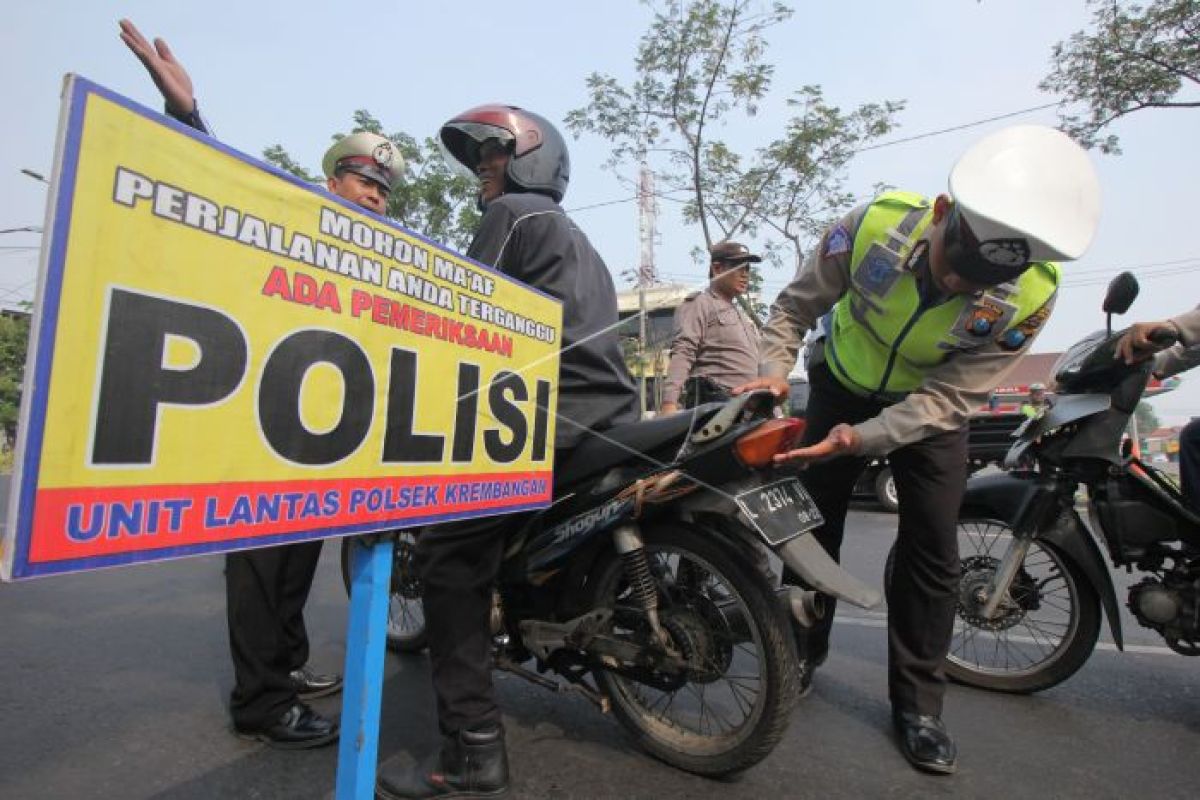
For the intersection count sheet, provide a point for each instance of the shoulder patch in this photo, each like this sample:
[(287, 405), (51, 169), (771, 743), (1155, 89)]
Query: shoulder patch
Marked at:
[(837, 242), (1016, 337)]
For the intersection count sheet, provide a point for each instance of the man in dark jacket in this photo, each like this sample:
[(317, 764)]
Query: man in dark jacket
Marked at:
[(523, 168)]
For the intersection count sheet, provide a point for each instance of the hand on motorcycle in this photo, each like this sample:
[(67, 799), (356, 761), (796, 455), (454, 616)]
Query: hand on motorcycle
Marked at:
[(777, 387), (842, 440), (168, 74), (1139, 342)]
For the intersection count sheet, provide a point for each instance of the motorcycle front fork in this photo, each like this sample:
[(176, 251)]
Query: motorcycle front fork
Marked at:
[(998, 588)]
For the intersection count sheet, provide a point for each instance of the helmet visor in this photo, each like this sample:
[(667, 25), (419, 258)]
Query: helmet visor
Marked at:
[(986, 264)]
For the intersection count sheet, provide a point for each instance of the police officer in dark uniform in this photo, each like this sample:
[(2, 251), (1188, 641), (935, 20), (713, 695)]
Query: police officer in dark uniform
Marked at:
[(266, 588), (521, 162)]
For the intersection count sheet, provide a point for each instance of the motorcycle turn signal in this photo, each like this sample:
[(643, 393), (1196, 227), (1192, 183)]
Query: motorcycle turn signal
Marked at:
[(759, 446)]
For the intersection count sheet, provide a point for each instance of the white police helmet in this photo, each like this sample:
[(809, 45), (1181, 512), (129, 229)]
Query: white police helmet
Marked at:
[(365, 154), (1027, 193)]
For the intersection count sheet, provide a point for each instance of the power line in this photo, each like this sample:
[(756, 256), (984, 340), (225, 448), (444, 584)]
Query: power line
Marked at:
[(954, 128), (879, 146)]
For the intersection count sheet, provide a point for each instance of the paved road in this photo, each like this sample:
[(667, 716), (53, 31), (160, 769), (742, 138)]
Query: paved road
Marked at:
[(114, 684)]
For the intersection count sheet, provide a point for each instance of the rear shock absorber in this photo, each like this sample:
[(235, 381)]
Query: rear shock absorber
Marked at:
[(628, 541)]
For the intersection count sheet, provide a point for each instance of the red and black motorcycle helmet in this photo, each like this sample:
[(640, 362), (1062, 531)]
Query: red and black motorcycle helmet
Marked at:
[(539, 161)]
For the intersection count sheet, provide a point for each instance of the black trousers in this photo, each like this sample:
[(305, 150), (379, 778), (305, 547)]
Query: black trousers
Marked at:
[(458, 563), (265, 593), (930, 478), (1189, 463)]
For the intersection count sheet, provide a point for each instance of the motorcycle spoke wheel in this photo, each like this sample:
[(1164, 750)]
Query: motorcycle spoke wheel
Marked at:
[(406, 613), (1045, 627), (730, 706)]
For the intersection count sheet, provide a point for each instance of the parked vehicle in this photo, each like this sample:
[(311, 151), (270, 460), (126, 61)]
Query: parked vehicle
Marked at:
[(1034, 582), (645, 588), (989, 438)]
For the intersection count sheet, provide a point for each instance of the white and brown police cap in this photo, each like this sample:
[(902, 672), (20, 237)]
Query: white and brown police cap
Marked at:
[(365, 154), (733, 253)]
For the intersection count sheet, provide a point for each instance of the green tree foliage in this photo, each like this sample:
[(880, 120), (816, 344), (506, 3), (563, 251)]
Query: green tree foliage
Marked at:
[(1147, 419), (698, 66), (432, 199), (14, 340), (1131, 58)]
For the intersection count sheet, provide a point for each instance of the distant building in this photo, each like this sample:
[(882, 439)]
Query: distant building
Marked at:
[(661, 302)]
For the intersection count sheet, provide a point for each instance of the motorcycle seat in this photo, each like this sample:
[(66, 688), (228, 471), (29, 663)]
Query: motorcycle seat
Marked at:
[(605, 449)]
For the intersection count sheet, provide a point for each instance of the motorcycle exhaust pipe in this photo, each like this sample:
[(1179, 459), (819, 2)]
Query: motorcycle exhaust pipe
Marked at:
[(808, 608), (805, 556)]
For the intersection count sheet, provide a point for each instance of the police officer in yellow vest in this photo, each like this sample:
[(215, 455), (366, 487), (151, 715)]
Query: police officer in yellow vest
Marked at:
[(933, 303)]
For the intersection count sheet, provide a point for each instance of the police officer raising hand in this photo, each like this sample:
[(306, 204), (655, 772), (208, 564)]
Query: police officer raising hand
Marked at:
[(168, 75), (266, 588)]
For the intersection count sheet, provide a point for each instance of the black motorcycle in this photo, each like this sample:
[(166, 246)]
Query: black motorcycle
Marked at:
[(646, 588), (1033, 577)]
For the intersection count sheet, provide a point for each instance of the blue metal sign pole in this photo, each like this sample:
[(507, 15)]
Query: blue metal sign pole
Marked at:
[(366, 638)]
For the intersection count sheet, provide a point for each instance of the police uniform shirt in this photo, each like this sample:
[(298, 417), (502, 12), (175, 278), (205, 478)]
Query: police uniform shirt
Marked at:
[(529, 237), (949, 393), (713, 338), (1186, 354)]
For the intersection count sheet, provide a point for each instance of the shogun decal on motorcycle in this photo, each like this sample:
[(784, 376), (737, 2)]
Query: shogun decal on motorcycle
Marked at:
[(644, 589), (598, 519)]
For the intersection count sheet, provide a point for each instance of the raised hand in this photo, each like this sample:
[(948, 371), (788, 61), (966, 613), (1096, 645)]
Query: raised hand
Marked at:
[(168, 74)]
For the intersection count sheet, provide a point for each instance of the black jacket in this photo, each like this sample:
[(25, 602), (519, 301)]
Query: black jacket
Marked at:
[(529, 237)]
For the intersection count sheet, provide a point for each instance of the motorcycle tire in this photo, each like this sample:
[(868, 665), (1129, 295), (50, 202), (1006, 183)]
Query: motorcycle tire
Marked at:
[(722, 615), (406, 616), (1034, 644)]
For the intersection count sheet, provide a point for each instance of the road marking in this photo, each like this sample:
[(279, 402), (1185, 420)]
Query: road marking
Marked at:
[(878, 619)]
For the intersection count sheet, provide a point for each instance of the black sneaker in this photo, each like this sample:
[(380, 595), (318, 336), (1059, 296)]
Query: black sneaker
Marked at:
[(310, 685)]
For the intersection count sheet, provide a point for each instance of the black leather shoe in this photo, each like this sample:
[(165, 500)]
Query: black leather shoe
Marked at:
[(309, 684), (298, 728), (925, 742), (471, 764)]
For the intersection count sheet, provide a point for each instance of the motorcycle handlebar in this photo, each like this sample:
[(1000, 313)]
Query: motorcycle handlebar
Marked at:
[(1164, 337)]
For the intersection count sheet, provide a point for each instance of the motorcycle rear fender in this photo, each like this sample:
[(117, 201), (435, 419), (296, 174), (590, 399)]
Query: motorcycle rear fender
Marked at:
[(803, 554), (1005, 497)]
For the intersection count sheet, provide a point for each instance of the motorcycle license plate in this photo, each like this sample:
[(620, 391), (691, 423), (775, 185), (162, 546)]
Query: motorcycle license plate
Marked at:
[(780, 511)]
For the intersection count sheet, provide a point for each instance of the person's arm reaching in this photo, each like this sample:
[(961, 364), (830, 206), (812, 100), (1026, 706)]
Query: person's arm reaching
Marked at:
[(168, 74)]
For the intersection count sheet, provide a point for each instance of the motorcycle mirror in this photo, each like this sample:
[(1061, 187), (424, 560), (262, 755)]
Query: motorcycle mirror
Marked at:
[(1122, 291)]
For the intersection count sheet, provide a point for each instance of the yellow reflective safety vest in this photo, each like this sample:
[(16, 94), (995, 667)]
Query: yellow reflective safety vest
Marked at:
[(883, 339)]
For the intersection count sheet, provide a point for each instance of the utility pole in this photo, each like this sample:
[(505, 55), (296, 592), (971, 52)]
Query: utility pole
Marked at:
[(647, 276)]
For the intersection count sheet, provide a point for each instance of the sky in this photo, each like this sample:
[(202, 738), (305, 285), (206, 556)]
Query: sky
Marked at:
[(293, 73)]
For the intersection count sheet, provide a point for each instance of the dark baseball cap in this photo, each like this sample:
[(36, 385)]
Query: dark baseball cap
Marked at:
[(733, 253)]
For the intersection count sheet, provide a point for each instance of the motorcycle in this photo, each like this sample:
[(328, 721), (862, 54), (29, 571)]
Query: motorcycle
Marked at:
[(1033, 578), (645, 587)]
